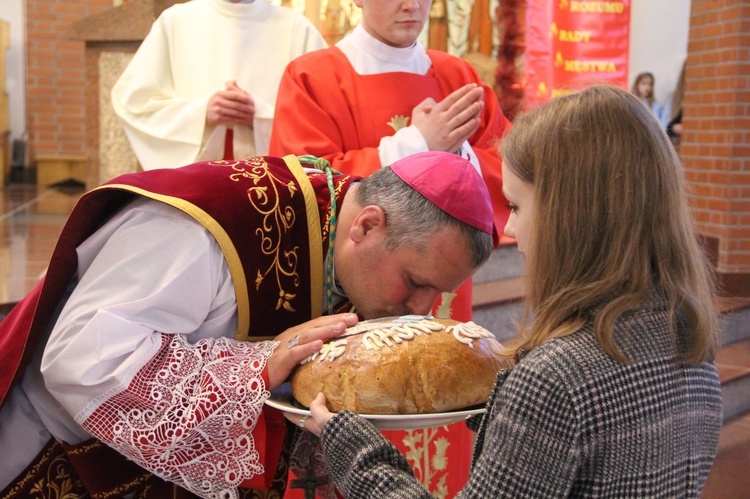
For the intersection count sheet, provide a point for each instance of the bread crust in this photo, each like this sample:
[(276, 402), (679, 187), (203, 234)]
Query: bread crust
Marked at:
[(417, 367)]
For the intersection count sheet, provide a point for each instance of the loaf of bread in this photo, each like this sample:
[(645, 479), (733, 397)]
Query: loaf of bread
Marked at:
[(404, 365)]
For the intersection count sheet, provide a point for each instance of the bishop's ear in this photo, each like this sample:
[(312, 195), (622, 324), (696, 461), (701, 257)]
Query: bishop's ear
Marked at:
[(369, 222)]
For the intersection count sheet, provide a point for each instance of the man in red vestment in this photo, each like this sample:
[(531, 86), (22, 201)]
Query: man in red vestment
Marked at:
[(146, 354), (379, 96)]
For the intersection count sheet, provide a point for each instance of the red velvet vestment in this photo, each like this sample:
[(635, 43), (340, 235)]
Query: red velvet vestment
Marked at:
[(256, 209)]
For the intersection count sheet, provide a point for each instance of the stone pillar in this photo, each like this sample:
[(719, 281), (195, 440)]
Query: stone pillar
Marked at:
[(715, 144)]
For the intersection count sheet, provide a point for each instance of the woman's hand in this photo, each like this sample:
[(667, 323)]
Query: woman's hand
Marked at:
[(302, 341), (320, 416)]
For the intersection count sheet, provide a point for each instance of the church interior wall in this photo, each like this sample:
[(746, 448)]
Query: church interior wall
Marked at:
[(45, 76), (659, 43)]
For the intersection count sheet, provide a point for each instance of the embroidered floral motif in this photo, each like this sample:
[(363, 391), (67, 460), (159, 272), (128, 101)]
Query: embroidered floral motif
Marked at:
[(398, 122), (51, 477), (431, 473), (278, 219), (444, 310)]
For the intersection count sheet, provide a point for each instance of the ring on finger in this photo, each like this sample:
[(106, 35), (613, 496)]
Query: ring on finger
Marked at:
[(302, 422), (293, 342)]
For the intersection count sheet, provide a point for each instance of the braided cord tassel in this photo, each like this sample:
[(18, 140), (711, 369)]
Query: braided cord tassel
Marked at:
[(323, 165)]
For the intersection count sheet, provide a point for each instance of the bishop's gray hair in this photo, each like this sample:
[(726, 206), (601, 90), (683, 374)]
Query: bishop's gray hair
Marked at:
[(411, 219)]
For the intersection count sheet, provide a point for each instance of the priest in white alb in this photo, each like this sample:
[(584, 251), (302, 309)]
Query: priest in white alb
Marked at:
[(203, 83)]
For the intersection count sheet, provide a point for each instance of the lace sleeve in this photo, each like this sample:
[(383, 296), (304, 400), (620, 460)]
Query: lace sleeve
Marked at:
[(189, 413)]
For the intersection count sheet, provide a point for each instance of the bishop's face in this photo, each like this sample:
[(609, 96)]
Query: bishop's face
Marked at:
[(397, 23), (383, 283)]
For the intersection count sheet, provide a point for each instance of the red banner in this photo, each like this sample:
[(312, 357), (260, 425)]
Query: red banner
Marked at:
[(571, 44)]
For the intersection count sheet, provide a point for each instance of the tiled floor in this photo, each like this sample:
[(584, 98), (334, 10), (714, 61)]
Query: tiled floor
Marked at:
[(31, 219)]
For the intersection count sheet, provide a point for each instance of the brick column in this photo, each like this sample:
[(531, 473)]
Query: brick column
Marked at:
[(716, 135), (55, 82)]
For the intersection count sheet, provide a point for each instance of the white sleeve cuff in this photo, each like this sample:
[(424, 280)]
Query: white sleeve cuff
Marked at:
[(467, 152), (407, 141)]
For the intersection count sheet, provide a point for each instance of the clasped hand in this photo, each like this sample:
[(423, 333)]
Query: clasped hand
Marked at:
[(232, 105), (445, 125)]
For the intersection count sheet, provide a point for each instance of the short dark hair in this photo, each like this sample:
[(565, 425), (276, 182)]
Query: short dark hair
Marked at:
[(411, 218)]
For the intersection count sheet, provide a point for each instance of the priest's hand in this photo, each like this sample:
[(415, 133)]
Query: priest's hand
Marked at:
[(445, 125), (320, 416), (301, 341), (232, 105)]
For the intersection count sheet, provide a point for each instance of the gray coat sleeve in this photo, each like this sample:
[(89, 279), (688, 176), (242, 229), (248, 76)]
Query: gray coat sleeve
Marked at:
[(529, 435), (364, 463)]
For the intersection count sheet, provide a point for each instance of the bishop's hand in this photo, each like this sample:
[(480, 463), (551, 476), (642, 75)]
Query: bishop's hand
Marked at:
[(301, 341)]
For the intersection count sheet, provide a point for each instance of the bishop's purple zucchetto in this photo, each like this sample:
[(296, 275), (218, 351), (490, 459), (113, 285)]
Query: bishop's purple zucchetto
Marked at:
[(451, 183)]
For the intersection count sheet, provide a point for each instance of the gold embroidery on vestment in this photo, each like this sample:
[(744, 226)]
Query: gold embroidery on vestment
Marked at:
[(428, 467), (278, 219), (398, 122)]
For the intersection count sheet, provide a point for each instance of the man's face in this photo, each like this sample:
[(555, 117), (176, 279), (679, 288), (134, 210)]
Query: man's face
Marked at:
[(397, 23), (383, 283)]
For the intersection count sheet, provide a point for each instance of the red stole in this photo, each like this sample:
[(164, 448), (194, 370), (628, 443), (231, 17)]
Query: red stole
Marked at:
[(228, 144)]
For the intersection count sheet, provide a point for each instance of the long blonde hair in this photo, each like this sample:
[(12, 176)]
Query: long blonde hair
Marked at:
[(612, 225)]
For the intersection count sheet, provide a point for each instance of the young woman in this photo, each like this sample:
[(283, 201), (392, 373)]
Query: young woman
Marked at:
[(643, 88), (614, 393)]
